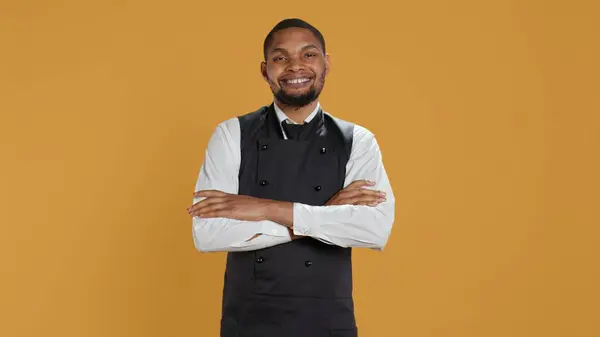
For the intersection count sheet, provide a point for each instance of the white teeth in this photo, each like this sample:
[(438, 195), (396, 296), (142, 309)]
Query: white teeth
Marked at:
[(298, 80)]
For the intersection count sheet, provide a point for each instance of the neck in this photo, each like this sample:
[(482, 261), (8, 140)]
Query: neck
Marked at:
[(295, 113)]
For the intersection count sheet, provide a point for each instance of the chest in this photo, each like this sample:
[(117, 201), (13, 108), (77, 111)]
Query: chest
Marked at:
[(308, 171)]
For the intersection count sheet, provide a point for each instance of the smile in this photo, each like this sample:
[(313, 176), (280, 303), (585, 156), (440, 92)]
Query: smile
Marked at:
[(296, 83), (297, 80)]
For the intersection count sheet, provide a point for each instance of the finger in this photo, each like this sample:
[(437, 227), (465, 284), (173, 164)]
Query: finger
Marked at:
[(362, 191), (207, 202), (209, 193), (341, 198), (366, 203), (378, 193), (213, 214), (365, 199), (357, 200), (204, 202), (210, 211)]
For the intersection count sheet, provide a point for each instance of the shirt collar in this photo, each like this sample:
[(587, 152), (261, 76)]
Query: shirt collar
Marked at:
[(283, 117)]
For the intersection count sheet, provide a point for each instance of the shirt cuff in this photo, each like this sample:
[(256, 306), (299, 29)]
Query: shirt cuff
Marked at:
[(274, 229), (305, 223)]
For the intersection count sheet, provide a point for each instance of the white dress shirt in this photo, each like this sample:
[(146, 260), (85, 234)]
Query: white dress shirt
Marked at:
[(342, 225)]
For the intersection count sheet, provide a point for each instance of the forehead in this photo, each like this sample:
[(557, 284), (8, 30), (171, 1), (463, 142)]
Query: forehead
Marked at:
[(294, 38)]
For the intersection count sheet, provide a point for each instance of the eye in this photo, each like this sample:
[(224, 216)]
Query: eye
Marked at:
[(278, 58), (310, 54)]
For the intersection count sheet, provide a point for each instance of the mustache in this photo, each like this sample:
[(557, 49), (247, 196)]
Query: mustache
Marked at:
[(296, 76)]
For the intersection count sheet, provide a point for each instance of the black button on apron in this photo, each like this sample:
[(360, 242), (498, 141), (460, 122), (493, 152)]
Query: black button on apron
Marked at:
[(264, 147), (318, 188), (279, 277)]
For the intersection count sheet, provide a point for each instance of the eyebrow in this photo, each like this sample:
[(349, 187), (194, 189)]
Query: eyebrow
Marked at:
[(283, 50)]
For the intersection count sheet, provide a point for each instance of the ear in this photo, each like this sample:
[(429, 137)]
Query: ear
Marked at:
[(327, 64), (263, 71)]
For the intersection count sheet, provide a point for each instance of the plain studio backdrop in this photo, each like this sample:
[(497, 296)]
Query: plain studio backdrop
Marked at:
[(487, 113)]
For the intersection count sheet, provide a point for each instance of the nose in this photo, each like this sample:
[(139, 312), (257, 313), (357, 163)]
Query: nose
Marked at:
[(295, 65)]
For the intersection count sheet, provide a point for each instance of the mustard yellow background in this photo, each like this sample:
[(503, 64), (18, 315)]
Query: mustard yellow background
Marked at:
[(486, 113)]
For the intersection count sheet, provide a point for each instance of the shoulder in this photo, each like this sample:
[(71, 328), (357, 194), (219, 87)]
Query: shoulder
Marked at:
[(227, 128), (363, 143), (362, 134), (359, 133)]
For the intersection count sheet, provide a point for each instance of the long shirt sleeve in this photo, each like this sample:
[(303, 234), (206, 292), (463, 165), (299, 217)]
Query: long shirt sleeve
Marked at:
[(350, 225), (342, 225), (219, 171)]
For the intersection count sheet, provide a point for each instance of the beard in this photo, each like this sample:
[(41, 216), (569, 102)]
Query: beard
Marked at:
[(302, 99)]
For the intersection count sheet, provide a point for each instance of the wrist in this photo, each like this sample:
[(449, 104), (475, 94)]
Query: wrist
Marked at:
[(292, 235), (280, 212)]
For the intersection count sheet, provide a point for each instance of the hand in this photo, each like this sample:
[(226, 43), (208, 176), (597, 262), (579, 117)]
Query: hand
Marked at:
[(357, 194), (232, 206)]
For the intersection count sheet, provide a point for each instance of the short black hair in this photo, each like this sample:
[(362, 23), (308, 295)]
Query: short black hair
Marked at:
[(292, 23)]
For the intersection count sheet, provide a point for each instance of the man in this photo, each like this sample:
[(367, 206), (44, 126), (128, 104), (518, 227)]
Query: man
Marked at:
[(288, 191)]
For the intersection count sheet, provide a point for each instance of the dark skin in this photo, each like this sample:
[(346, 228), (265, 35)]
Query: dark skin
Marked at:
[(218, 204), (295, 55)]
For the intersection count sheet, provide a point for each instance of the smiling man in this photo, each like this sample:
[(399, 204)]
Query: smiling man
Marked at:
[(288, 191)]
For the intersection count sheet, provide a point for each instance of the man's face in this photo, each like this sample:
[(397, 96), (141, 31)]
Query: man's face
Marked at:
[(295, 67)]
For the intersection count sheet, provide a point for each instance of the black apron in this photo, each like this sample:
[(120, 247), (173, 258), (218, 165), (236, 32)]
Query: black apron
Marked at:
[(302, 288)]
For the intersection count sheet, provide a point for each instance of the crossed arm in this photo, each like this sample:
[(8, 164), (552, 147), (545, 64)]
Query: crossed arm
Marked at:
[(360, 215), (218, 204)]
